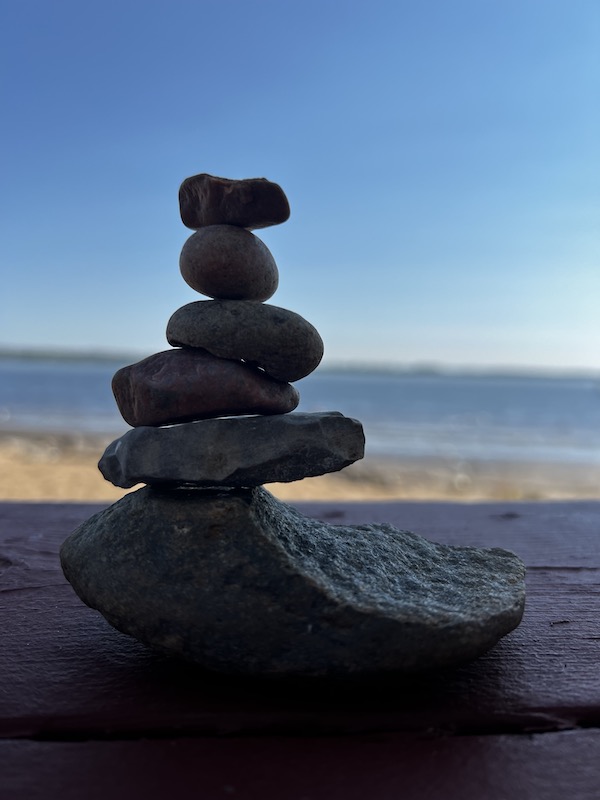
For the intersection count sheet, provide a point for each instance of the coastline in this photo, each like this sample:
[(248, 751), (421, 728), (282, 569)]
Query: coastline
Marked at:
[(49, 467)]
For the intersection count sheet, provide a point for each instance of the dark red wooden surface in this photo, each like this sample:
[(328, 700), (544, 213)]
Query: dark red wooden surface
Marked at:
[(88, 712)]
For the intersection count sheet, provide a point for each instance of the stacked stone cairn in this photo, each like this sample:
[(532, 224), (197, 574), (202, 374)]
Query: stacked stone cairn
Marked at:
[(203, 562), (235, 356)]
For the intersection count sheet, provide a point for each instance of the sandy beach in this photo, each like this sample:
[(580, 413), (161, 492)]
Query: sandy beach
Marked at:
[(51, 467)]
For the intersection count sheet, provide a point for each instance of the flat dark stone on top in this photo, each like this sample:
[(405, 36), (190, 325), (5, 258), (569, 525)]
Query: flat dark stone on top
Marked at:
[(249, 203), (185, 385), (282, 342), (238, 451), (229, 263)]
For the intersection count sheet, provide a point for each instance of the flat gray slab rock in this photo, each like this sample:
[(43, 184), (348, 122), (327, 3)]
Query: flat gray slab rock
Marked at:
[(279, 341), (243, 584), (239, 451)]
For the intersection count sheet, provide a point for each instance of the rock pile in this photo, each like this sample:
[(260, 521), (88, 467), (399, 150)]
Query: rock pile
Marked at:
[(203, 562), (235, 356)]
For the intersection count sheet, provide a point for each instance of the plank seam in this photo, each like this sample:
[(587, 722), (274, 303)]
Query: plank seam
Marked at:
[(514, 728)]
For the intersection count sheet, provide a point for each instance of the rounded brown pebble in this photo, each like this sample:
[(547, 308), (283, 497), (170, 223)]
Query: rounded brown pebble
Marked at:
[(249, 203), (185, 385), (282, 342), (229, 263)]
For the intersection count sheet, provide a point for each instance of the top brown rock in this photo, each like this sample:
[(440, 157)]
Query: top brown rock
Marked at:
[(250, 203)]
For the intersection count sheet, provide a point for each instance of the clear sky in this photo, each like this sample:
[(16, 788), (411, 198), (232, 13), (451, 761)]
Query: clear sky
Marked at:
[(441, 159)]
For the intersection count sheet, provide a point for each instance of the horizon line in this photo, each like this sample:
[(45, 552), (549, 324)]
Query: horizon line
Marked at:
[(417, 367)]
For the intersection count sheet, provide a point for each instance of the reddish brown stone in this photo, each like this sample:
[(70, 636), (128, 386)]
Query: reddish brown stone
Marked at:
[(185, 385), (229, 263), (250, 203)]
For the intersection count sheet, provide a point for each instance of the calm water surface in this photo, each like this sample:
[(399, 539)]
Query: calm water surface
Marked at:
[(514, 418)]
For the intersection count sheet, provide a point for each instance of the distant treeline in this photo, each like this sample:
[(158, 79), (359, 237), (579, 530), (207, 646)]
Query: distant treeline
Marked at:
[(331, 367), (34, 354)]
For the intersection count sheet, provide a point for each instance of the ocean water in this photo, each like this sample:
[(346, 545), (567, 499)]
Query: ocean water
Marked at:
[(516, 418)]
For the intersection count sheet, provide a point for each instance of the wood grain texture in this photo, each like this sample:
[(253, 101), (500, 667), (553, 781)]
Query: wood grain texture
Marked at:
[(520, 722), (548, 766)]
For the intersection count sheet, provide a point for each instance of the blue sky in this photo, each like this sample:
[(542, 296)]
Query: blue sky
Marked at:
[(441, 160)]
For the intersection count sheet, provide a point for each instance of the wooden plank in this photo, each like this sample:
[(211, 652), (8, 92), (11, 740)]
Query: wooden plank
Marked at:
[(550, 766), (64, 672), (542, 534)]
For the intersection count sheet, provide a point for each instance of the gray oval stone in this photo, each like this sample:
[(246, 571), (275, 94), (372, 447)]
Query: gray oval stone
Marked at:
[(238, 451), (242, 583), (279, 341), (229, 263), (184, 385), (249, 203)]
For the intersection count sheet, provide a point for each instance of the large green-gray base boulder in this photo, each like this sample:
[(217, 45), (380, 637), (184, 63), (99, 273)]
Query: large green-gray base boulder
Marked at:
[(243, 584)]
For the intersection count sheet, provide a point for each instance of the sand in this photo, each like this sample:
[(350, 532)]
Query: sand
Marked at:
[(57, 468)]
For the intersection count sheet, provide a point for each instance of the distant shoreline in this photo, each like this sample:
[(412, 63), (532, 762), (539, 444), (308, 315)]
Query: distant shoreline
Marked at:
[(416, 369), (93, 356), (63, 468)]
